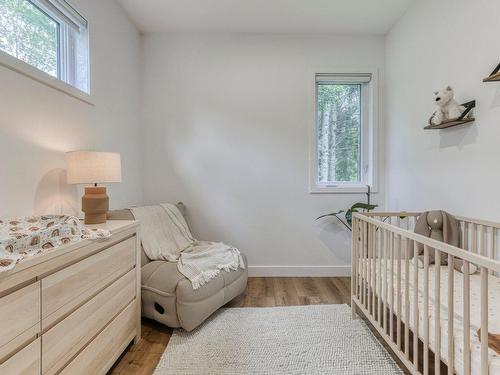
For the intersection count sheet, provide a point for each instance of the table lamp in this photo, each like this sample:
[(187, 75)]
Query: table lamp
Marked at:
[(87, 167)]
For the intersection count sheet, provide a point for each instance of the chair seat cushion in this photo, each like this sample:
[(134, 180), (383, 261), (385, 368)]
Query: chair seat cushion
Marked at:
[(168, 296), (161, 276), (165, 278)]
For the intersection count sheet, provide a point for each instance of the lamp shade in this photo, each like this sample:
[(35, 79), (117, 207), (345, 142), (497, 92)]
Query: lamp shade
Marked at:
[(87, 167)]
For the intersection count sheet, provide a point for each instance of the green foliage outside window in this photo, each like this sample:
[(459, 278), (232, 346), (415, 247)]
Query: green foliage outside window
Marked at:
[(29, 34), (339, 132)]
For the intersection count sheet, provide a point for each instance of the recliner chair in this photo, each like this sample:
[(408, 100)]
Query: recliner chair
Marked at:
[(169, 298)]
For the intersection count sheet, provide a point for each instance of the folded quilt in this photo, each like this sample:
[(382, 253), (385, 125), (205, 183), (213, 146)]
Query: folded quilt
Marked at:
[(22, 237), (165, 235)]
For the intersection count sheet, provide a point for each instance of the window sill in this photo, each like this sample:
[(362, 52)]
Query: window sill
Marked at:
[(341, 189), (29, 71)]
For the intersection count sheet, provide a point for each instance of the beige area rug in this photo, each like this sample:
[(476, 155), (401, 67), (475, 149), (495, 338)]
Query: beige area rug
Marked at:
[(310, 340)]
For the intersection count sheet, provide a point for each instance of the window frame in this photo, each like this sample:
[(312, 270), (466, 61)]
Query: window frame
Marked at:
[(369, 132), (63, 70)]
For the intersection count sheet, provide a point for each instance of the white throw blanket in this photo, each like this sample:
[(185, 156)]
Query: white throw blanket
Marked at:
[(204, 261), (166, 236), (164, 232)]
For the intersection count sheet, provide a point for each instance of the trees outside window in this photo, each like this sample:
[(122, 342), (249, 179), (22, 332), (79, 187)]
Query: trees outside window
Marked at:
[(338, 133), (29, 34)]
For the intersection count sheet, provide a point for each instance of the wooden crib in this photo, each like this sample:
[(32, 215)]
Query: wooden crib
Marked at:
[(435, 319)]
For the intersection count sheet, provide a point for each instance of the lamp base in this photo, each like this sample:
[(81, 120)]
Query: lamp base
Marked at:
[(95, 204)]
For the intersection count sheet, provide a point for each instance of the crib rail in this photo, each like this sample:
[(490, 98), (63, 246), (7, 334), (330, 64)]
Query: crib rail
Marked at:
[(424, 338)]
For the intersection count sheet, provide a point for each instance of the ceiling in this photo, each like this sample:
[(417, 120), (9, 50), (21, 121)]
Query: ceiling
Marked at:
[(266, 16)]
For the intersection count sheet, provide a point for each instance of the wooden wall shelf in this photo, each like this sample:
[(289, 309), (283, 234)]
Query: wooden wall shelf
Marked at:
[(449, 124), (463, 119), (494, 76)]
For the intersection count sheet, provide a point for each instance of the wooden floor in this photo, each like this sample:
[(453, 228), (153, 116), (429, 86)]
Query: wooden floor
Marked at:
[(141, 359)]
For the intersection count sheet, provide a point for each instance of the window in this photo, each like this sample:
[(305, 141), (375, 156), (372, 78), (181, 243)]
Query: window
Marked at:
[(343, 153), (49, 35)]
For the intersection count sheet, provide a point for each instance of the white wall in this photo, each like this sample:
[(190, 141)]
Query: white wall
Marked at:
[(435, 44), (38, 124), (226, 121)]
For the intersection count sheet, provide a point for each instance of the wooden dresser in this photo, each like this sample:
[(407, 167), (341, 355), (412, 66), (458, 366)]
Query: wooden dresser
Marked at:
[(74, 309)]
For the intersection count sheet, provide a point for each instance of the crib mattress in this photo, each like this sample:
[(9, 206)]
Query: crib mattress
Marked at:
[(475, 311)]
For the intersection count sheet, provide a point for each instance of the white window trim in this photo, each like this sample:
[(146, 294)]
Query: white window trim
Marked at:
[(19, 66), (40, 76), (370, 132)]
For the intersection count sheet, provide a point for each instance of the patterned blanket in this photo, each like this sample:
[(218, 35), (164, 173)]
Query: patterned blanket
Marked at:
[(22, 237)]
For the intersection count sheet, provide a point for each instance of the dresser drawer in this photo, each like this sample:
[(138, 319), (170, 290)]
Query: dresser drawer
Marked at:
[(65, 290), (63, 341), (104, 350), (67, 338), (19, 312), (25, 362)]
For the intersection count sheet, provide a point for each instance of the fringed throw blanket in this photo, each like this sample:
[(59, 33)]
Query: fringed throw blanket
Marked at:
[(22, 237), (164, 232), (165, 235), (203, 262)]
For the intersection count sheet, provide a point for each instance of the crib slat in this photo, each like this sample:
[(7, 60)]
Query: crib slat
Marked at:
[(398, 290), (484, 321), (358, 253), (374, 266), (474, 239), (465, 235), (374, 271), (379, 300), (407, 298), (363, 283), (482, 245), (354, 264), (391, 277), (451, 316), (369, 267), (437, 313), (386, 249), (426, 310), (415, 305), (493, 245), (466, 318)]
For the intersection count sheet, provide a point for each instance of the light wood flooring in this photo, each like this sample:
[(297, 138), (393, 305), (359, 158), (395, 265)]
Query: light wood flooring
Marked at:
[(141, 359)]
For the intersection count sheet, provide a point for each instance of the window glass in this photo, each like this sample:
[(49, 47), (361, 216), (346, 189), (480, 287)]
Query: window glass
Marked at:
[(29, 34), (338, 133)]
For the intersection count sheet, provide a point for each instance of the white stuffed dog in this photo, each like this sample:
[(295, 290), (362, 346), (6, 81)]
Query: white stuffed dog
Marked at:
[(447, 107)]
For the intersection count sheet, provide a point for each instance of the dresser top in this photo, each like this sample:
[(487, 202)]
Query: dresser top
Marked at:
[(115, 226)]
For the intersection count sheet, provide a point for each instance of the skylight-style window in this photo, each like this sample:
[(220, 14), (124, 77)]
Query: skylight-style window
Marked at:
[(49, 35)]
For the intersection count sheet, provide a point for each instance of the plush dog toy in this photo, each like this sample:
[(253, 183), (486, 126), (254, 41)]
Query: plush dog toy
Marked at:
[(447, 107), (440, 226)]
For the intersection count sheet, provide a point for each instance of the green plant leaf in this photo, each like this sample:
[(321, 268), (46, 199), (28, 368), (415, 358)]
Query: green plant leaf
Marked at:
[(355, 208), (364, 206), (332, 214), (348, 216)]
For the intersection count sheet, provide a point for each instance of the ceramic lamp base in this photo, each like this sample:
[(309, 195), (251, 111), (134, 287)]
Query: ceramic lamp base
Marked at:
[(95, 204)]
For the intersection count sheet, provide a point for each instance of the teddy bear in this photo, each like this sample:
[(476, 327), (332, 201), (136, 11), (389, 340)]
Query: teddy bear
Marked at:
[(447, 107)]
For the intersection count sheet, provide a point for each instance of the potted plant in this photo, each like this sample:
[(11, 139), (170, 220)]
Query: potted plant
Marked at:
[(356, 207)]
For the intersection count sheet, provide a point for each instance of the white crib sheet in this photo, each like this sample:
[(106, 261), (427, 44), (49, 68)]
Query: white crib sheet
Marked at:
[(475, 311)]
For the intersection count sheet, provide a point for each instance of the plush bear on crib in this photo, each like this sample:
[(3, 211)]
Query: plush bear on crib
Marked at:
[(440, 226), (447, 107)]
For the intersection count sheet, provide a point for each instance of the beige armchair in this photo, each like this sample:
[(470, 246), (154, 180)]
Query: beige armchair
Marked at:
[(168, 297)]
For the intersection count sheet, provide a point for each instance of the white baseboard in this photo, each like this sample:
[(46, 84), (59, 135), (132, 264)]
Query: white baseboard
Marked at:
[(299, 271)]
